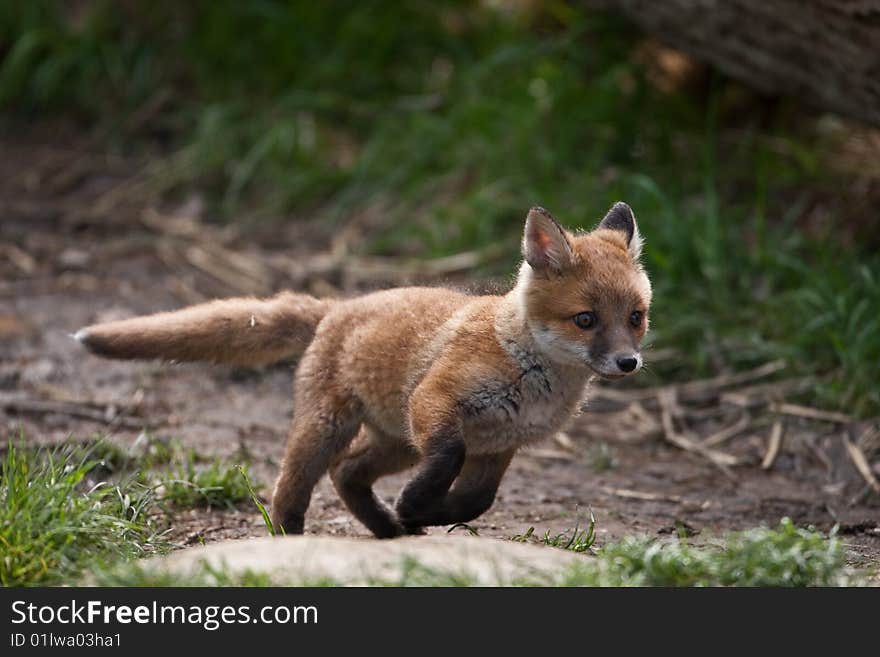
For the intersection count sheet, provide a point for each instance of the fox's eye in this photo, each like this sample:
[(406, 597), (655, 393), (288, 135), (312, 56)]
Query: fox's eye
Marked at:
[(636, 318), (585, 320)]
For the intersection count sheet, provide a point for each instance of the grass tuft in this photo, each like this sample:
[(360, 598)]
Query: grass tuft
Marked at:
[(784, 556), (270, 527), (55, 520), (216, 485), (577, 541)]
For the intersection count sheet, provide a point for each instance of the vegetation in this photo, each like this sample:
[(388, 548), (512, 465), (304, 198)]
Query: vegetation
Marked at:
[(72, 508), (264, 512), (783, 556), (176, 475), (580, 540), (443, 122), (55, 520), (437, 125), (59, 523), (217, 485)]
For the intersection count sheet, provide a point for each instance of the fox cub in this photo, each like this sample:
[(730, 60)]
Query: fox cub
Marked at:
[(451, 383)]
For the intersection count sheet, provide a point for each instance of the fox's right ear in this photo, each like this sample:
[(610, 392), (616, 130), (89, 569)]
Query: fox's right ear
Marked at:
[(545, 244)]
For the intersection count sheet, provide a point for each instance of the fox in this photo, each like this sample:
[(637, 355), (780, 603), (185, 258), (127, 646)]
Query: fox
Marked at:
[(449, 383)]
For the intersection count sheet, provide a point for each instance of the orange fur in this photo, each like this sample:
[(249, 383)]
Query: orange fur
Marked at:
[(451, 382), (236, 331)]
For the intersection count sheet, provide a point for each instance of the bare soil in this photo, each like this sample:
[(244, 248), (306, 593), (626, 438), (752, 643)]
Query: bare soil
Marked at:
[(83, 240)]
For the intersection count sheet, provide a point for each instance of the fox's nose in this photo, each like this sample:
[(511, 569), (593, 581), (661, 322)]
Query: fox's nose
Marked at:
[(627, 363)]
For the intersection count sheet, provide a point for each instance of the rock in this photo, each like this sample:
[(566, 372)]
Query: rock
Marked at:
[(361, 561)]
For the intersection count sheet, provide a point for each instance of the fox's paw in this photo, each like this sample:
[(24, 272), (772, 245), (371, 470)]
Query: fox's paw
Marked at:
[(288, 525)]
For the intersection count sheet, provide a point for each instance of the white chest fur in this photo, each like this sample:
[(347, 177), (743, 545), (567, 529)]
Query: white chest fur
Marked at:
[(506, 415), (530, 406)]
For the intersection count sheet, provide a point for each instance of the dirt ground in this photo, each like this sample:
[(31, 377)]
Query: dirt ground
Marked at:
[(81, 240)]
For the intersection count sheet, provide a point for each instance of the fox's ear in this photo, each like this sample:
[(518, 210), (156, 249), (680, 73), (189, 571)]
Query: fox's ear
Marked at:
[(545, 244), (620, 217)]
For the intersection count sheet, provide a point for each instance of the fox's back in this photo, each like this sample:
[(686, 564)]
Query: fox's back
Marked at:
[(385, 343)]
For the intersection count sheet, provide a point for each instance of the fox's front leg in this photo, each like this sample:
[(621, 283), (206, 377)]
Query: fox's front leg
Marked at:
[(421, 504), (443, 457), (437, 430)]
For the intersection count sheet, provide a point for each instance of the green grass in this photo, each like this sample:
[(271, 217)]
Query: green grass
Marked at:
[(213, 485), (438, 125), (56, 520), (59, 523), (147, 452), (139, 574), (178, 476), (578, 540), (601, 457), (264, 512), (784, 556), (74, 508)]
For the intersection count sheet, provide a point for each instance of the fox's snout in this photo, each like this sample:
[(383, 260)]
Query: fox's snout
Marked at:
[(627, 363), (617, 365)]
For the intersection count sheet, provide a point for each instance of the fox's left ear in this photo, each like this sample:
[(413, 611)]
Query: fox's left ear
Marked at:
[(620, 217)]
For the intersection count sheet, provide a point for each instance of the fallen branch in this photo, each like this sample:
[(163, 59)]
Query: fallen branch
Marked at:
[(372, 269), (644, 418), (726, 380), (18, 257), (72, 409), (201, 246), (355, 270), (761, 394), (773, 446), (629, 494), (810, 413), (553, 454), (701, 390), (223, 270), (720, 460), (729, 432), (565, 442), (857, 456)]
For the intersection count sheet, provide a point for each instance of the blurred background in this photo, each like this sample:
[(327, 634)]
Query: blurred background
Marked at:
[(156, 154)]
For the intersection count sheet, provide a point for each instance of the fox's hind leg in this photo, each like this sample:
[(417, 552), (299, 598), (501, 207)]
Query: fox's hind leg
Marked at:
[(372, 455), (325, 420)]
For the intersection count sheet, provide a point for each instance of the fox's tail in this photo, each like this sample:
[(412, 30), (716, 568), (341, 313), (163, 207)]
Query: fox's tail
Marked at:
[(244, 331)]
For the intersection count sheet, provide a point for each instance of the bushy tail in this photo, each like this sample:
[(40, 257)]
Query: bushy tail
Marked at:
[(245, 331)]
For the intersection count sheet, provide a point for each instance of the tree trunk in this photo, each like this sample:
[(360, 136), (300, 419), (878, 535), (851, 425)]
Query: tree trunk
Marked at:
[(826, 52)]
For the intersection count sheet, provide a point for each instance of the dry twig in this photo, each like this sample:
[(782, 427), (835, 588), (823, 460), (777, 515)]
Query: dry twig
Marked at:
[(728, 432), (720, 460), (629, 494), (565, 442), (701, 390), (553, 454), (73, 409), (811, 413), (773, 446), (857, 456)]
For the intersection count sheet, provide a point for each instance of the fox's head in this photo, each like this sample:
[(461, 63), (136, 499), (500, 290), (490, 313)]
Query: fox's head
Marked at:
[(585, 296)]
